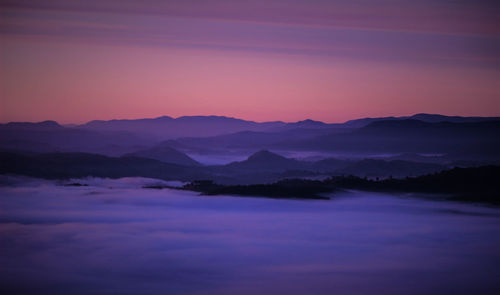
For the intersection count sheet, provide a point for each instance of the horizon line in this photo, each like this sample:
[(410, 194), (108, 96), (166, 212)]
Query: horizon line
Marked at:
[(249, 120)]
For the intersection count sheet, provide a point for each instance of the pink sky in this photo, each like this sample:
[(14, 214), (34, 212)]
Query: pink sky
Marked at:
[(77, 63)]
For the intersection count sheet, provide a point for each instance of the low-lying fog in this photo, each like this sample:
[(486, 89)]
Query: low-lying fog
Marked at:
[(114, 237), (226, 157)]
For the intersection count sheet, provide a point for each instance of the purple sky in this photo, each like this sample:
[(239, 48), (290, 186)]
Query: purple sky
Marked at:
[(73, 61)]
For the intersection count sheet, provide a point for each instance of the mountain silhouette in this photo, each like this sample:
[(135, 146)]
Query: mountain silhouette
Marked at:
[(394, 168), (165, 154), (265, 160), (78, 165), (187, 126), (429, 118), (406, 136), (45, 125), (460, 136), (49, 136)]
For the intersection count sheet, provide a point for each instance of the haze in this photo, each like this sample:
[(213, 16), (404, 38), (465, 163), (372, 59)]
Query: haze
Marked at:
[(114, 237)]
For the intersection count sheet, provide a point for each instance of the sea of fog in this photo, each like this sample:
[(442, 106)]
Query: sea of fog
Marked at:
[(114, 237)]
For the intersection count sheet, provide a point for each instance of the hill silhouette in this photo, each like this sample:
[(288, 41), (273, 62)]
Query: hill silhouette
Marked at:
[(265, 160), (429, 118), (49, 136), (478, 184), (188, 126), (45, 125), (393, 168), (407, 136), (216, 134), (164, 154), (78, 165)]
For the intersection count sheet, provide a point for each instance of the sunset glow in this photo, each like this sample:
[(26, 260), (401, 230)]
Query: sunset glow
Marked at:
[(258, 60)]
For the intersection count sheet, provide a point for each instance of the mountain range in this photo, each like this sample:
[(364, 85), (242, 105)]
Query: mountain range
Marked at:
[(261, 167), (422, 138)]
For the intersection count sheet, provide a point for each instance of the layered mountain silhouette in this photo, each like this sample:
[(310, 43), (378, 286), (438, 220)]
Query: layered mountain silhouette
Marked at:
[(395, 168), (246, 140), (167, 127), (478, 184), (165, 154), (353, 153), (429, 118), (464, 141), (261, 167), (397, 136), (49, 136), (78, 165), (471, 184), (407, 136), (45, 125), (265, 160)]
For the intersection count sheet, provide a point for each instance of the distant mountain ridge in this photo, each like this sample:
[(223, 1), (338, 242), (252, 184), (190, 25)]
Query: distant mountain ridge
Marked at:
[(265, 160), (420, 133), (166, 127), (166, 155), (188, 126), (126, 124), (261, 167), (44, 125), (49, 136), (393, 136), (407, 136), (79, 165), (429, 118)]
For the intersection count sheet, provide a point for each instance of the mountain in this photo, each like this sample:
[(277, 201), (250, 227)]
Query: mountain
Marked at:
[(198, 126), (310, 124), (374, 135), (429, 118), (436, 118), (188, 126), (261, 167), (217, 134), (395, 168), (45, 125), (406, 136), (412, 126), (265, 160), (478, 184), (330, 164), (359, 123), (244, 140), (77, 165), (49, 136), (165, 154), (414, 157)]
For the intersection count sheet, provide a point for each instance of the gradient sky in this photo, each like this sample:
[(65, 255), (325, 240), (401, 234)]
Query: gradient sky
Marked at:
[(74, 61)]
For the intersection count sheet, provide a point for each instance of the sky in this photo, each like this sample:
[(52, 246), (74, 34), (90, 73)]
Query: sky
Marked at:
[(262, 60)]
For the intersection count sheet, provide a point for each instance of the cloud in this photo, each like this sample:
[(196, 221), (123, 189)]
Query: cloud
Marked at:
[(393, 30), (124, 239)]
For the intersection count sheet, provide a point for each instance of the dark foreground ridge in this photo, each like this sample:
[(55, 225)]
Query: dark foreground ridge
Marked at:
[(478, 184), (284, 189), (481, 184)]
